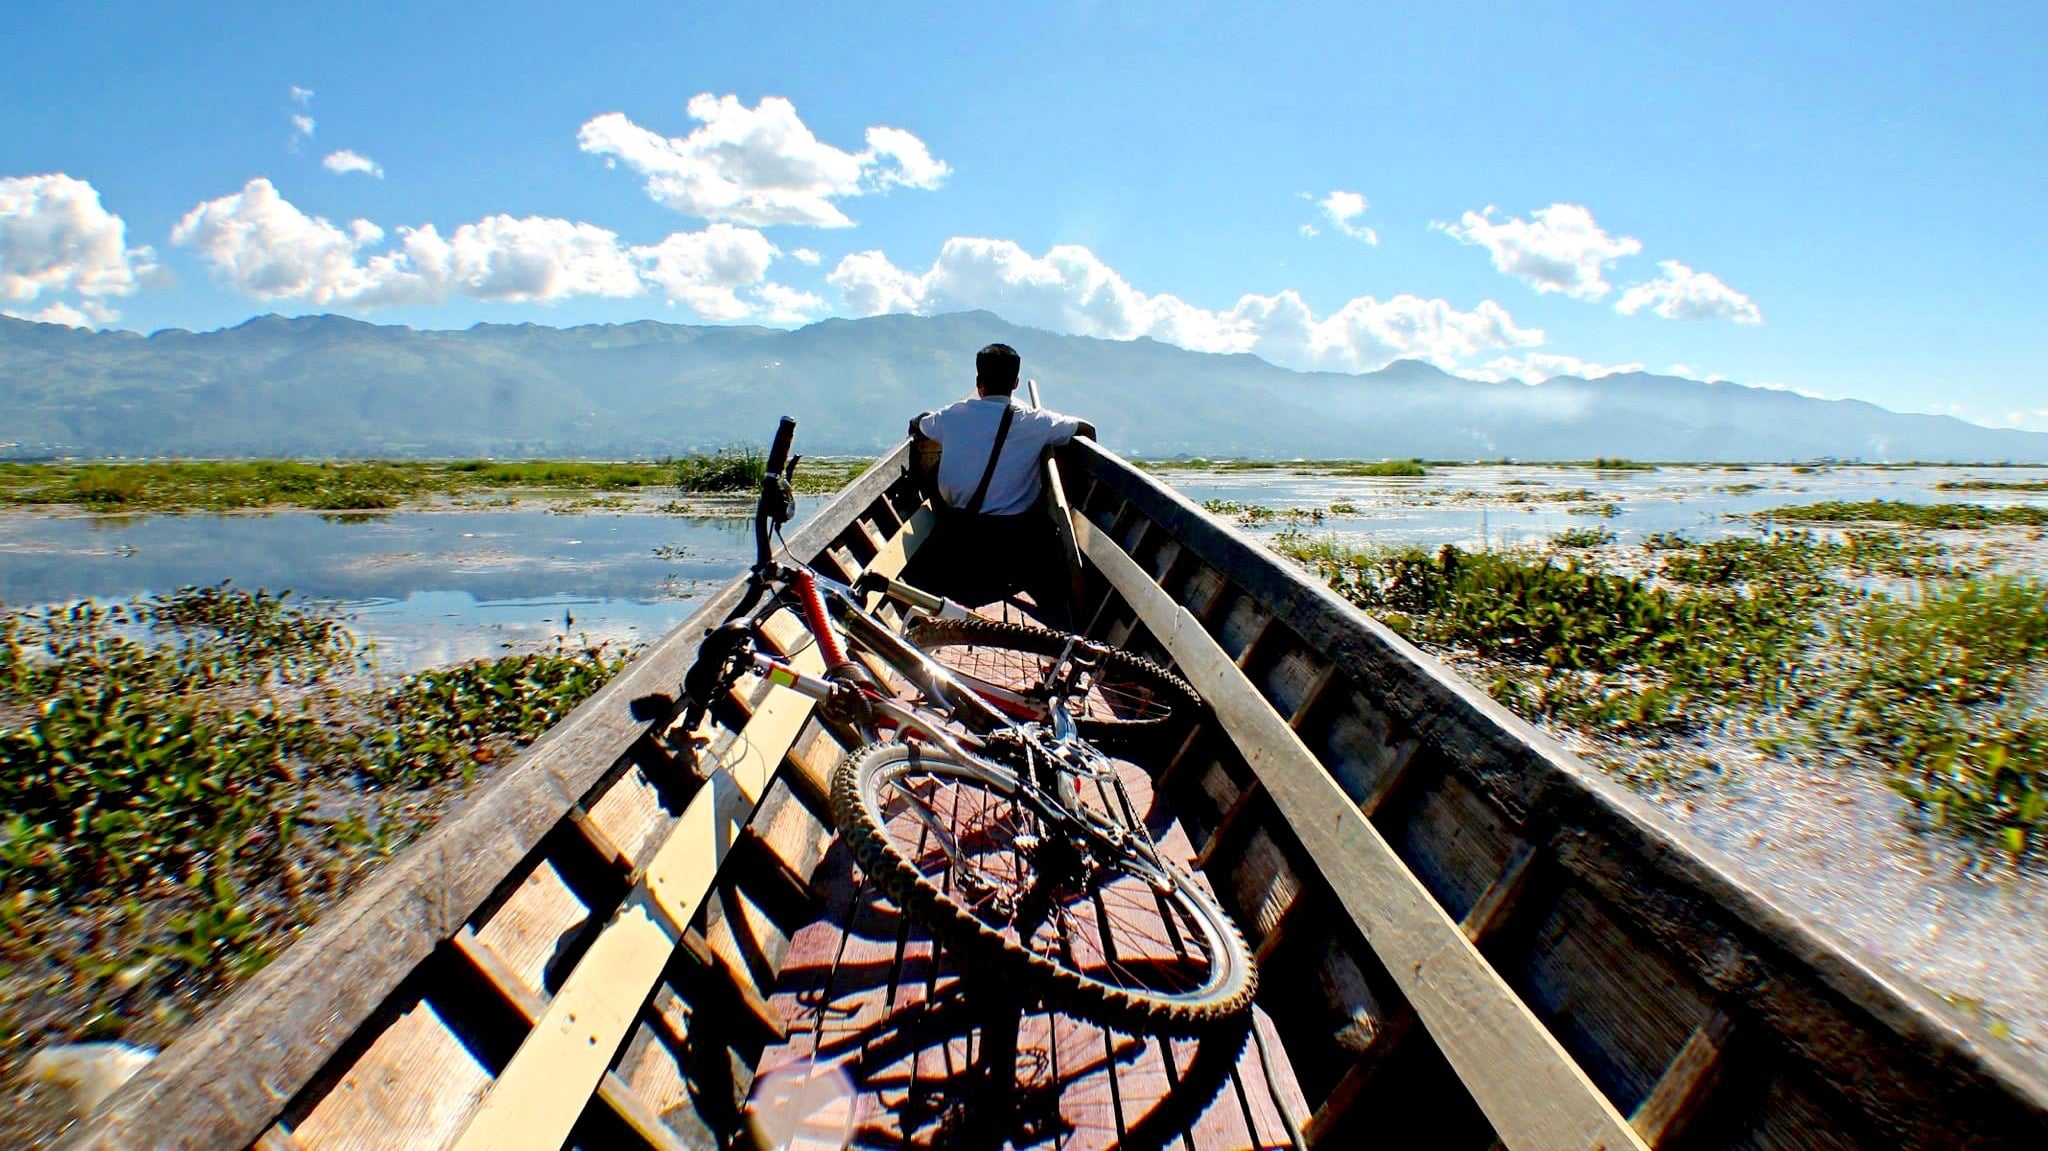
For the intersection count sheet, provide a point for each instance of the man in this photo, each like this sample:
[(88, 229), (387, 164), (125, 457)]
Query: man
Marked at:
[(994, 537)]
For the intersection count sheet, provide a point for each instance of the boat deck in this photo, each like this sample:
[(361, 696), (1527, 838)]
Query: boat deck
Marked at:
[(889, 1044)]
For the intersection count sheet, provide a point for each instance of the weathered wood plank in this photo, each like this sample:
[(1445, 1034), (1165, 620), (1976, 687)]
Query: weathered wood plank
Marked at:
[(540, 1094), (1529, 1087)]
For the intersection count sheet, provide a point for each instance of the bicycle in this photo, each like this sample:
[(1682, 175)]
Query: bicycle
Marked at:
[(981, 805)]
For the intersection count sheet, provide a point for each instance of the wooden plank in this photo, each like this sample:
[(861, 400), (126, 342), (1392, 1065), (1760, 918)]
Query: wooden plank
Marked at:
[(542, 1091), (226, 1079), (1528, 1086), (539, 1094), (1686, 1084), (1062, 515)]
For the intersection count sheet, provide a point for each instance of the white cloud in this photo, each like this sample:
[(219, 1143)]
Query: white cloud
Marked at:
[(1536, 367), (1683, 294), (1558, 249), (56, 239), (303, 97), (706, 270), (520, 260), (1343, 209), (805, 256), (759, 165), (347, 161), (263, 245), (1070, 290), (301, 125)]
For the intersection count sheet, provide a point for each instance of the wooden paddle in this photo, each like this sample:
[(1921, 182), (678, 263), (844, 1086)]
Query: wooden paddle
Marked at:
[(1062, 514)]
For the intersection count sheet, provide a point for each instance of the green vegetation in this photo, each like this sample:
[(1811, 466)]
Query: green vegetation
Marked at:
[(1935, 676), (735, 469), (1251, 514), (1604, 464), (187, 779), (1384, 468), (1582, 538), (1993, 485), (1916, 515), (375, 485)]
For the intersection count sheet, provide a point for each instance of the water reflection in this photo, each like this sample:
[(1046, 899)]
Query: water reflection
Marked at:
[(426, 587)]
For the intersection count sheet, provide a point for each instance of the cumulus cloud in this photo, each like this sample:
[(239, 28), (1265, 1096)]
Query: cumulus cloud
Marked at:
[(1683, 294), (1558, 249), (1070, 290), (761, 165), (1343, 209), (263, 245), (805, 256), (303, 97), (347, 161), (1536, 367), (57, 240), (706, 270)]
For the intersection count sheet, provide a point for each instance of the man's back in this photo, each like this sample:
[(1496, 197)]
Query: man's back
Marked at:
[(966, 432)]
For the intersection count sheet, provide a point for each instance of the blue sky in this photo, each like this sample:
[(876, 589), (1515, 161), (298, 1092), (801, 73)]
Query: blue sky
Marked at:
[(1844, 202)]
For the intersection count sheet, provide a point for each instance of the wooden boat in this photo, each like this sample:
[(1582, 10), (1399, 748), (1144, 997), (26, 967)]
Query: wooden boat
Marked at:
[(1468, 938)]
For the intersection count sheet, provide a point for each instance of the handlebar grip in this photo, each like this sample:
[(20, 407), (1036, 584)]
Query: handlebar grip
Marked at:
[(778, 455)]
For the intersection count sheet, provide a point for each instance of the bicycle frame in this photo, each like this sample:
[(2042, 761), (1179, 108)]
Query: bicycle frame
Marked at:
[(819, 598)]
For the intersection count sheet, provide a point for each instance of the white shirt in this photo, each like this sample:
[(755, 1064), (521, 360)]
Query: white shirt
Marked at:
[(966, 429)]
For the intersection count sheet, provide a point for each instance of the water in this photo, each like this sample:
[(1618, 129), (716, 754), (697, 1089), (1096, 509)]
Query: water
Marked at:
[(1504, 506), (425, 588)]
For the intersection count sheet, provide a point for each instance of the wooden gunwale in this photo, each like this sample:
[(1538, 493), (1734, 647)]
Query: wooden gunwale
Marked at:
[(1906, 1073)]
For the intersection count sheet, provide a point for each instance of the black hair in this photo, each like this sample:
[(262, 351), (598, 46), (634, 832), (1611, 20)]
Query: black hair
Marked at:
[(997, 367)]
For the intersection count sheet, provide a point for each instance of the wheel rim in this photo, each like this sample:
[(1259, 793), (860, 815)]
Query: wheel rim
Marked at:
[(1113, 696), (1111, 928)]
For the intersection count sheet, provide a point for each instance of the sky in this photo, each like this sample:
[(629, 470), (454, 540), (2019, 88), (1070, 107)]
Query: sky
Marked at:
[(1847, 201)]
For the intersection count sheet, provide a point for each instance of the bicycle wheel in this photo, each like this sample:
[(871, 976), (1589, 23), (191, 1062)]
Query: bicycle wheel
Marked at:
[(1130, 700), (965, 857)]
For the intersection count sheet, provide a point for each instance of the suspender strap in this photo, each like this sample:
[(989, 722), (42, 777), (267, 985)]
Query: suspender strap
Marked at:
[(995, 453)]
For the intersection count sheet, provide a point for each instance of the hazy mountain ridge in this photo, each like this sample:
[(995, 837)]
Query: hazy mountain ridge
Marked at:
[(333, 386)]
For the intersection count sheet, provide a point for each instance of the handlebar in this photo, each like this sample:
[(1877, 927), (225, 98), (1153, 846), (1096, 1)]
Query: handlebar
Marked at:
[(778, 499)]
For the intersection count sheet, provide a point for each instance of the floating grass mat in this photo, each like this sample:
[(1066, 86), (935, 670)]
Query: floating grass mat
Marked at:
[(186, 780), (374, 485), (1993, 485), (1941, 683), (1901, 512)]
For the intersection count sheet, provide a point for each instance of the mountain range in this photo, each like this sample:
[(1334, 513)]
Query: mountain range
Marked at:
[(329, 386)]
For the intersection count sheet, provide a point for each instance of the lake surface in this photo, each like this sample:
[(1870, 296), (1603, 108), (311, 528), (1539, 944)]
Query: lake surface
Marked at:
[(426, 588), (449, 583)]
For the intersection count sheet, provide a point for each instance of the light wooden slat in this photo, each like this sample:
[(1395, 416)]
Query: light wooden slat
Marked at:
[(530, 1004), (539, 1095), (1526, 1083), (542, 1091)]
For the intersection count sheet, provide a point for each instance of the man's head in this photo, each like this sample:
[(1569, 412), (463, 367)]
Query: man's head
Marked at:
[(996, 368)]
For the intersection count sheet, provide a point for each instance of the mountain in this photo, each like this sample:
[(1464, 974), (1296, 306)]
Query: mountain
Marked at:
[(332, 386)]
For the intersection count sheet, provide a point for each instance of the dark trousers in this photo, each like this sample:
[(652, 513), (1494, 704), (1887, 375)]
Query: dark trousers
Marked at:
[(979, 559)]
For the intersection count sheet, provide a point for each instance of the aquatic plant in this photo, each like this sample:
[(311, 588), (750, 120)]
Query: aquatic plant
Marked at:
[(733, 469), (1582, 538), (185, 779), (1384, 468), (1900, 512)]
